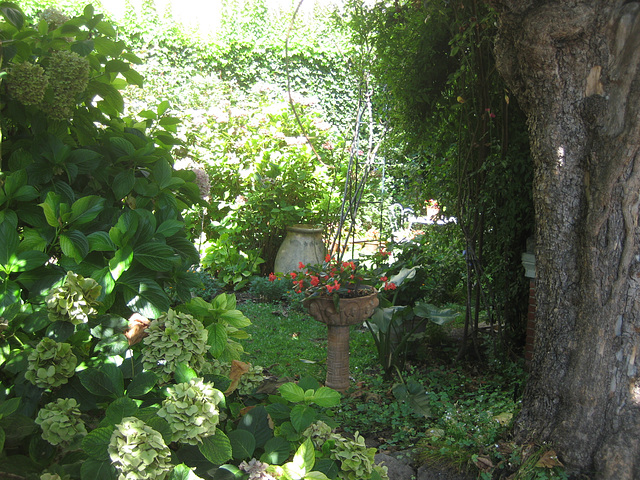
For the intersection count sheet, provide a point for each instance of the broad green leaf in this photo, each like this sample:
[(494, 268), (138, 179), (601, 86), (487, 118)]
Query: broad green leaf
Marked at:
[(123, 183), (305, 456), (302, 416), (2, 437), (14, 182), (217, 339), (98, 470), (32, 240), (182, 472), (86, 209), (25, 194), (162, 173), (82, 48), (169, 227), (315, 475), (13, 14), (256, 421), (7, 407), (156, 256), (109, 93), (183, 373), (74, 244), (144, 296), (276, 451), (142, 383), (26, 261), (292, 392), (121, 146), (120, 408), (121, 262), (96, 442), (243, 444), (9, 241), (162, 107), (100, 242), (51, 207), (133, 77), (216, 448), (326, 397), (108, 47), (98, 383), (235, 318), (328, 467)]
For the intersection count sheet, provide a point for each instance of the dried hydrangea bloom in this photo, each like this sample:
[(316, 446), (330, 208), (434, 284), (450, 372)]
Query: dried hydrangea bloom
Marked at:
[(191, 410), (138, 451), (60, 421), (256, 470), (174, 338), (53, 17), (319, 432), (68, 75), (75, 300), (27, 83), (51, 364)]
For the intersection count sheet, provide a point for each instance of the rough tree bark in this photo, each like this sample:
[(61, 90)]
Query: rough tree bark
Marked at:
[(574, 67)]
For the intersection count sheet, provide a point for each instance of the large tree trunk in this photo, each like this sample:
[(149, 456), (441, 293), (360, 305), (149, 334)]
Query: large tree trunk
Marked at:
[(574, 66)]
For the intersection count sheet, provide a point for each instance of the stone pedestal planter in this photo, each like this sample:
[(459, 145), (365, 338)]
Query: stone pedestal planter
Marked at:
[(351, 311)]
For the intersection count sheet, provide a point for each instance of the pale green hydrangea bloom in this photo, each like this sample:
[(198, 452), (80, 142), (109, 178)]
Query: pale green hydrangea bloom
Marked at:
[(174, 338), (356, 460), (138, 451), (51, 364), (27, 83), (75, 300), (191, 409), (50, 476), (60, 421)]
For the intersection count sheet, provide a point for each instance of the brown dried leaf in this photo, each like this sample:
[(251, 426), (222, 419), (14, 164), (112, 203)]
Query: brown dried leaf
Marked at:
[(137, 328), (549, 460), (238, 369), (483, 463)]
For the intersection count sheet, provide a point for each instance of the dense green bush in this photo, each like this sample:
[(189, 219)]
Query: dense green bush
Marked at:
[(95, 252)]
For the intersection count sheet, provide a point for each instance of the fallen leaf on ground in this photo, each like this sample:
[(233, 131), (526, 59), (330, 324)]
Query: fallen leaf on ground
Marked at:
[(549, 460)]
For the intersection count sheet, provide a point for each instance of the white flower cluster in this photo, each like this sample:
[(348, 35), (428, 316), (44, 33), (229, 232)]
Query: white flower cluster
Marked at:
[(138, 451), (60, 421), (174, 338), (191, 409)]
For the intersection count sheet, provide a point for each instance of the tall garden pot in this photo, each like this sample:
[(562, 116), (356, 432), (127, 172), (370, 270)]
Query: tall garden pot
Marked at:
[(351, 311), (303, 243)]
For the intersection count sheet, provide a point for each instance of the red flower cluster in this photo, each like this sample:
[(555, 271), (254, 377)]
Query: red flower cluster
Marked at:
[(329, 278)]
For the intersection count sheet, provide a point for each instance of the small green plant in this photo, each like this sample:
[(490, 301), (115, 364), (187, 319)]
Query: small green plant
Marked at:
[(229, 264)]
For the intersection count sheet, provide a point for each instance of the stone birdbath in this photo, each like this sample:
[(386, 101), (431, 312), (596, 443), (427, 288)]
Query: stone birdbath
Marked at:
[(351, 311)]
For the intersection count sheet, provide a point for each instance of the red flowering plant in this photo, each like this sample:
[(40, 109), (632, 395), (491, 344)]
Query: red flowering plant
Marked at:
[(333, 277)]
